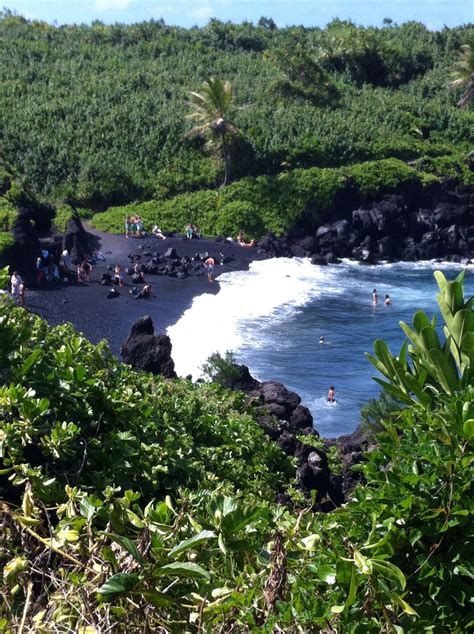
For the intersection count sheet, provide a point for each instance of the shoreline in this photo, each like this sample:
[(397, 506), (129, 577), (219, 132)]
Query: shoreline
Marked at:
[(86, 306)]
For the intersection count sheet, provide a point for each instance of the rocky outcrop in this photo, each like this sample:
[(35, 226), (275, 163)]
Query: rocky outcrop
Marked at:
[(287, 422), (144, 350), (412, 225), (394, 229), (32, 222), (171, 264), (21, 256), (77, 240), (351, 449)]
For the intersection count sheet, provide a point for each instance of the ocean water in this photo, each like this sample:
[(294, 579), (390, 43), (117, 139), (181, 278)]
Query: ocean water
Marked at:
[(272, 317)]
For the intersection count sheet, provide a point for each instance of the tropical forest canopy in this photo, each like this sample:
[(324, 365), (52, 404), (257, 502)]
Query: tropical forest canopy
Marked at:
[(98, 113)]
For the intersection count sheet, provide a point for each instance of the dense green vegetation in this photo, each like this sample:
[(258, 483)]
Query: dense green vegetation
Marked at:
[(277, 203), (98, 113), (131, 502)]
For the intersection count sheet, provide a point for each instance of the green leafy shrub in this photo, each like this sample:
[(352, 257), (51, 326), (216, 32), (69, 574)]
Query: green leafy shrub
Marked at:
[(221, 369), (6, 240), (63, 215), (77, 429), (271, 203), (374, 177)]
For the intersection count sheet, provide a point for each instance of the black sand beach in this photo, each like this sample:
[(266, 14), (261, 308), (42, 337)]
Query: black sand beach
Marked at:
[(87, 307)]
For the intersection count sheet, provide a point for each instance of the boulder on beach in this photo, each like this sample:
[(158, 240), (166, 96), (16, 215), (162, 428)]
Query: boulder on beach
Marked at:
[(76, 239), (21, 256), (144, 350)]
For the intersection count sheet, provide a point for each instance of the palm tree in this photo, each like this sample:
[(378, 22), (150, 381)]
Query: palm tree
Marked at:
[(211, 108), (463, 74)]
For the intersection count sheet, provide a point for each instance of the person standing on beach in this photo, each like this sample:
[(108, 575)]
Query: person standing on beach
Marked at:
[(209, 264), (66, 260), (87, 268), (16, 284), (118, 277), (128, 222), (375, 297)]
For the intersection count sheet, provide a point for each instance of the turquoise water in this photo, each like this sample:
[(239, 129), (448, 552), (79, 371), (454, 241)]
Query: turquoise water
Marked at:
[(272, 318)]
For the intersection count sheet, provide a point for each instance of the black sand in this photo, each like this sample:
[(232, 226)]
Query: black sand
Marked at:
[(98, 318)]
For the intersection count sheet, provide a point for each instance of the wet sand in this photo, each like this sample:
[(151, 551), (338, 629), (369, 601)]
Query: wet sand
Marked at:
[(88, 309)]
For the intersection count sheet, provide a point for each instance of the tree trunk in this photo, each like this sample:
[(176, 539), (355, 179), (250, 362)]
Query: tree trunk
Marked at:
[(226, 160)]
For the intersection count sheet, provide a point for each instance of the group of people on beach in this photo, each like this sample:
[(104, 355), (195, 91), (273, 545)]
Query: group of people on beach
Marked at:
[(133, 226), (240, 239), (47, 269), (192, 231), (84, 268)]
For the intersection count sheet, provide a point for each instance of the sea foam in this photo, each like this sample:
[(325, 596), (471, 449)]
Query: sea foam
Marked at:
[(248, 303)]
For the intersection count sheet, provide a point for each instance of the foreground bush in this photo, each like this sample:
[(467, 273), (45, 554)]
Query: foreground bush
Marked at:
[(81, 552)]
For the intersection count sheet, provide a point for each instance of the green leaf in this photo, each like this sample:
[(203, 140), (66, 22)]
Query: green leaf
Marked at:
[(30, 360), (182, 569), (421, 321), (445, 373), (235, 520), (310, 542), (389, 571), (88, 507), (126, 544), (157, 599), (222, 545), (117, 585), (192, 542), (404, 605), (327, 573), (468, 428), (363, 564)]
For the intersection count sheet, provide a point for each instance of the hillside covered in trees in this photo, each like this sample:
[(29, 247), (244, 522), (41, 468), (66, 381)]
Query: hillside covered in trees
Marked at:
[(97, 114)]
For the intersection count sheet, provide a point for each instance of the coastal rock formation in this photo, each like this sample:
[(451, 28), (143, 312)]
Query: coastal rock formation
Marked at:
[(170, 263), (33, 220), (351, 449), (412, 224), (400, 228), (77, 240), (287, 422), (144, 350)]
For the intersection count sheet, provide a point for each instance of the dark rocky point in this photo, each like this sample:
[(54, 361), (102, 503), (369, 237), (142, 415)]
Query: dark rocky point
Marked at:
[(144, 350)]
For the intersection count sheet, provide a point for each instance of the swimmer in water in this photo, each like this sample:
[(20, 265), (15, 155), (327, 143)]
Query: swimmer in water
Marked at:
[(321, 339), (387, 301), (375, 297), (331, 398)]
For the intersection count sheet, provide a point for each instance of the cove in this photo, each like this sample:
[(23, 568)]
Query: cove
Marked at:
[(272, 316)]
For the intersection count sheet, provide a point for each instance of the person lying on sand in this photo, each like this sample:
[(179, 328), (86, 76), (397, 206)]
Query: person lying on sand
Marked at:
[(144, 293)]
